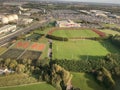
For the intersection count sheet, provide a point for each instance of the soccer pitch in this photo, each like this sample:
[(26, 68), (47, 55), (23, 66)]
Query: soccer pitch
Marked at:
[(81, 49), (75, 33)]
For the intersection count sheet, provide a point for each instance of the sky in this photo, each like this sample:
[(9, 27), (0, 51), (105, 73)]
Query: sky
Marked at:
[(99, 1)]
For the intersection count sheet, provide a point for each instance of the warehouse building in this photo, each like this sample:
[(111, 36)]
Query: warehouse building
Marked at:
[(9, 18), (67, 23), (7, 28), (25, 21)]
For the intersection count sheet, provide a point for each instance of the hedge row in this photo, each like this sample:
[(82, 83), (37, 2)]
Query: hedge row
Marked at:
[(88, 65), (57, 38)]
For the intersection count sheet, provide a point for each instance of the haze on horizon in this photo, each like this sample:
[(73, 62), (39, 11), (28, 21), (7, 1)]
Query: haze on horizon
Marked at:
[(97, 1)]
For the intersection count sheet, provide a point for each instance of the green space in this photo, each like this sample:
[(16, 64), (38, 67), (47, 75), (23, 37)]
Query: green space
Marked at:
[(108, 32), (82, 49), (33, 37), (2, 49), (85, 81), (110, 25), (16, 79), (41, 31), (39, 86), (75, 33)]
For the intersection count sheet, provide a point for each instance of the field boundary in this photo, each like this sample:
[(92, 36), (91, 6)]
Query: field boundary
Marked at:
[(23, 85), (99, 33)]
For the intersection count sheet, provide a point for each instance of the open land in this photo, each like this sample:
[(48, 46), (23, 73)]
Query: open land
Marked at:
[(75, 33), (81, 49)]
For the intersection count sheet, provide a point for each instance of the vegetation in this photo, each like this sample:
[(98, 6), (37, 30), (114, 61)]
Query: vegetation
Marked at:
[(34, 37), (85, 82), (115, 40), (57, 38), (2, 49), (105, 77), (75, 33), (40, 86), (16, 79), (110, 32), (93, 63), (82, 49), (110, 26)]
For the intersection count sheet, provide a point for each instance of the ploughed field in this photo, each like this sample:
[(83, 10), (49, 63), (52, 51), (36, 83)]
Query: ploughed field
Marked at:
[(81, 49), (75, 33)]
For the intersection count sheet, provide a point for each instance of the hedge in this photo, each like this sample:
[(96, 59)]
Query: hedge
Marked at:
[(57, 38)]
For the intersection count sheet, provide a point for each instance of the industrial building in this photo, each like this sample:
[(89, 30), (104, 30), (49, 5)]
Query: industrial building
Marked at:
[(7, 28), (25, 21), (67, 23), (8, 18), (113, 16)]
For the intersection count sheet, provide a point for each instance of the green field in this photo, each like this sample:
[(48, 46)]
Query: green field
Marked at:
[(16, 79), (41, 86), (82, 49), (85, 82), (111, 25), (75, 33), (2, 50), (108, 31)]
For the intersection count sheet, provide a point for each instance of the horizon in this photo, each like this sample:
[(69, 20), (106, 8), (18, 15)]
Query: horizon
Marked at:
[(85, 1), (91, 1)]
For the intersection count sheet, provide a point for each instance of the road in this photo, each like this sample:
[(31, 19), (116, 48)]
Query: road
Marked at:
[(27, 29)]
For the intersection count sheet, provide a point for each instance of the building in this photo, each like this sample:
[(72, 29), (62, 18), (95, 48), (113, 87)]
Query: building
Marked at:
[(7, 28), (5, 70), (67, 23), (101, 15), (25, 21), (113, 16), (9, 18), (85, 12)]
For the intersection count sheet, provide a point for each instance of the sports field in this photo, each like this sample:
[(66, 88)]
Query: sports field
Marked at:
[(41, 86), (75, 33), (81, 49), (85, 82), (108, 31)]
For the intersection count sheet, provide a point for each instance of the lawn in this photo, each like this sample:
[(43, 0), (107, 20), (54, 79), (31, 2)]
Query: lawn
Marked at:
[(85, 82), (44, 31), (40, 86), (82, 49), (108, 31), (16, 79), (75, 33), (2, 50), (111, 25)]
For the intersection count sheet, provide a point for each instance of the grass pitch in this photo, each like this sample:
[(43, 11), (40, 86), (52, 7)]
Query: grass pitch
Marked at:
[(82, 49), (85, 82), (75, 33), (108, 31), (41, 86)]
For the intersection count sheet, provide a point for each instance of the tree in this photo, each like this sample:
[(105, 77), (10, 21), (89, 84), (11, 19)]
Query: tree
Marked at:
[(7, 62), (13, 64), (20, 68)]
